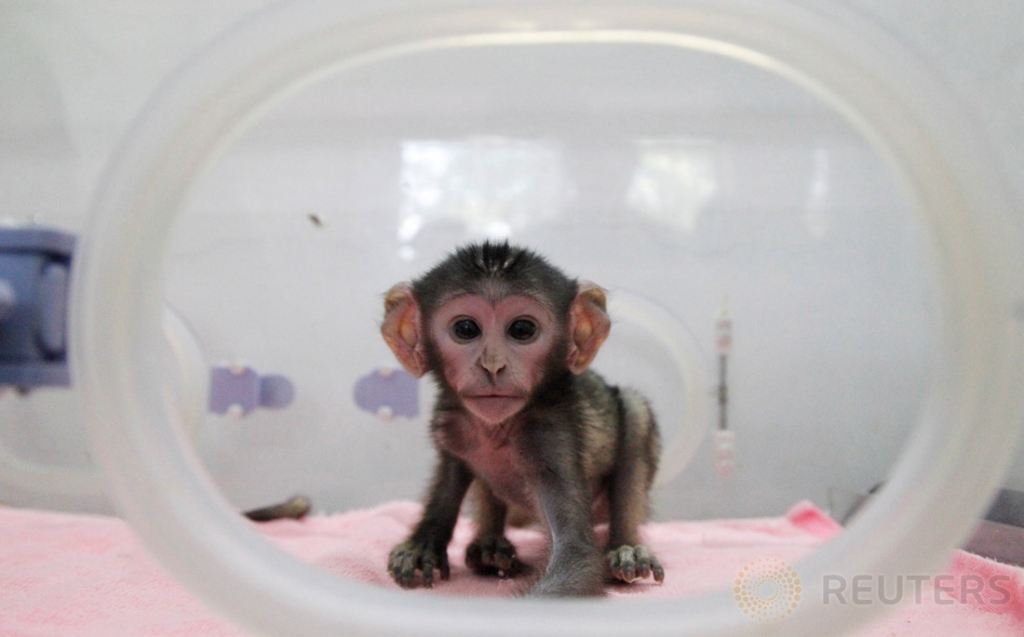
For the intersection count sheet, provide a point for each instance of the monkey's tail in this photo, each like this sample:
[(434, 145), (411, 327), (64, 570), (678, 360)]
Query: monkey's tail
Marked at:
[(296, 508)]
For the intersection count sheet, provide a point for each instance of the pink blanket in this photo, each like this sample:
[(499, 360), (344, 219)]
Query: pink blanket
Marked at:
[(80, 575)]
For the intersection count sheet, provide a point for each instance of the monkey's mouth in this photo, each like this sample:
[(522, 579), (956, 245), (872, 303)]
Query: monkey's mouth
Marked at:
[(494, 408)]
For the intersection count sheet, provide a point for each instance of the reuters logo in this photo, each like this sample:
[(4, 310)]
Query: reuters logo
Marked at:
[(767, 590)]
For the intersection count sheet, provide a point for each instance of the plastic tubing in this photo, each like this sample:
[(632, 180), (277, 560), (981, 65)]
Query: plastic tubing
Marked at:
[(953, 461)]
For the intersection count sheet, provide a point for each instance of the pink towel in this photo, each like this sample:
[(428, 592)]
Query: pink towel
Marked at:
[(81, 575)]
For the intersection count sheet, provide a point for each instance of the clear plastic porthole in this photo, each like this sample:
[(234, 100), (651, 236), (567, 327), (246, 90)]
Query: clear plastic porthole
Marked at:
[(803, 245)]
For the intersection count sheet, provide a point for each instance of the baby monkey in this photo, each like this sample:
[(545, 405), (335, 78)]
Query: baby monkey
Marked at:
[(508, 338)]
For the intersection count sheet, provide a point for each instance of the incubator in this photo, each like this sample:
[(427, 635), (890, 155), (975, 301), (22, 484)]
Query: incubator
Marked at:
[(806, 215)]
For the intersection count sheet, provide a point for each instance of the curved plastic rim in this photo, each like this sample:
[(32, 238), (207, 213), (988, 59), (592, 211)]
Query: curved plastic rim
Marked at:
[(956, 457), (697, 391)]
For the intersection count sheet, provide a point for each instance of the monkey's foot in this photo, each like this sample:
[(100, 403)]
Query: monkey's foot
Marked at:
[(630, 563), (493, 555), (411, 556)]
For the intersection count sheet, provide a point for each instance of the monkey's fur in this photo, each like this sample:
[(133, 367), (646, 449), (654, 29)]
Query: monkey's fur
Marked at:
[(551, 438)]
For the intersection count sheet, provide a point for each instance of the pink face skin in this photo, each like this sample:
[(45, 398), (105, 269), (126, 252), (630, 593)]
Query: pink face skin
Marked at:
[(493, 353)]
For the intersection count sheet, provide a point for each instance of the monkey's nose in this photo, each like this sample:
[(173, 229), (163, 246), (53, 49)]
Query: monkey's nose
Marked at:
[(492, 362)]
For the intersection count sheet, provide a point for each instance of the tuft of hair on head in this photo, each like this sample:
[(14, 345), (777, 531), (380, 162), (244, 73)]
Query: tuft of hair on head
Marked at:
[(493, 260), (496, 270)]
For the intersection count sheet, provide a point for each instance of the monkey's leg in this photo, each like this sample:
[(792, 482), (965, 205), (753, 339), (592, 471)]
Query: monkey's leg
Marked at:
[(490, 552), (427, 547), (636, 461)]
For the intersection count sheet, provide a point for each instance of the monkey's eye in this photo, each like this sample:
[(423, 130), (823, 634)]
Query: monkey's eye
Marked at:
[(522, 329), (465, 330)]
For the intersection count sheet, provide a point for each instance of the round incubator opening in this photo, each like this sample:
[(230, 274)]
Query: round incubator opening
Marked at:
[(693, 187), (717, 182)]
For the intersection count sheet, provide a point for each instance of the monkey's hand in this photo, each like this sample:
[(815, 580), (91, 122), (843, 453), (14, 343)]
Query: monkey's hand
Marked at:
[(630, 563), (417, 555), (493, 555)]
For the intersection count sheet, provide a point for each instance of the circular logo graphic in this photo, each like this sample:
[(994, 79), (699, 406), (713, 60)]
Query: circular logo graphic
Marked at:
[(767, 590)]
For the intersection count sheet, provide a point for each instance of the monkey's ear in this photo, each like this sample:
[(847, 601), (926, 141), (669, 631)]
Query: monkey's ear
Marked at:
[(401, 328), (588, 325)]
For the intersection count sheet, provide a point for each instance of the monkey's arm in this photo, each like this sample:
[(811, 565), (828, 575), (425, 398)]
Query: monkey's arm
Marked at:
[(427, 547), (627, 559), (576, 568), (636, 460)]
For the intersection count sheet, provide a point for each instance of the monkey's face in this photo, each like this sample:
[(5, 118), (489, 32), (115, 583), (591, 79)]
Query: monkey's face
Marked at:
[(494, 353)]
